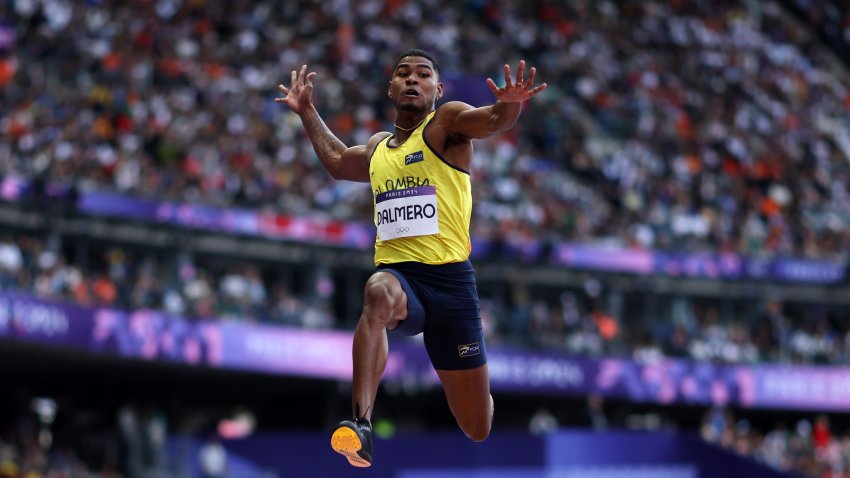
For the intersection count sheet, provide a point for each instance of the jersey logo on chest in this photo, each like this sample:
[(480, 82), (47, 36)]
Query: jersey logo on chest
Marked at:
[(414, 158)]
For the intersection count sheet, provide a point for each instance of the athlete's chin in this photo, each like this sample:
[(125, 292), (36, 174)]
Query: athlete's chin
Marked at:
[(412, 107), (414, 104)]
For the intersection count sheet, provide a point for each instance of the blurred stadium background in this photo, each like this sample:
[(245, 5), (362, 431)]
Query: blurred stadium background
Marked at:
[(661, 244)]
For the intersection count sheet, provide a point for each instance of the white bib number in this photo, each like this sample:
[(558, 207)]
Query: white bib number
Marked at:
[(407, 213)]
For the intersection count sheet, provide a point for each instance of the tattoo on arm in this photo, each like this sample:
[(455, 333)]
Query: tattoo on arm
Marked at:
[(327, 146)]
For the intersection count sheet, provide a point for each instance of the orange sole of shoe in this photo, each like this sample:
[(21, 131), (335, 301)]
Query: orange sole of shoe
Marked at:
[(345, 442)]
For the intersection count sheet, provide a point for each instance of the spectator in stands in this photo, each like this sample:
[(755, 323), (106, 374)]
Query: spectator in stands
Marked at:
[(212, 458)]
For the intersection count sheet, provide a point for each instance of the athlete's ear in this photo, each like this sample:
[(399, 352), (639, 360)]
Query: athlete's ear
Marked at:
[(390, 89), (439, 90)]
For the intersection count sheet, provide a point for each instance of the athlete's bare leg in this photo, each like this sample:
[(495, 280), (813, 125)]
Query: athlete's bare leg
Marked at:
[(385, 305), (468, 394)]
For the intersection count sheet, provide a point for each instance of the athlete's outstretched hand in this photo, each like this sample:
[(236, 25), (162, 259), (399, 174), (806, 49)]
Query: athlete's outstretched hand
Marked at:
[(517, 92), (299, 95)]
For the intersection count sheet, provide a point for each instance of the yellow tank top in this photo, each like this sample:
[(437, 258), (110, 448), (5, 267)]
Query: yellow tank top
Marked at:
[(422, 203)]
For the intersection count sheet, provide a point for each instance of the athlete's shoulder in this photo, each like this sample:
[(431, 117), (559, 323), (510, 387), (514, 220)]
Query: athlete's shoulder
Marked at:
[(378, 137), (375, 140), (447, 113), (452, 108)]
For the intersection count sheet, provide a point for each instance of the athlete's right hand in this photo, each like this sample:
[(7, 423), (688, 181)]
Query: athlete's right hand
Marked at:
[(299, 95)]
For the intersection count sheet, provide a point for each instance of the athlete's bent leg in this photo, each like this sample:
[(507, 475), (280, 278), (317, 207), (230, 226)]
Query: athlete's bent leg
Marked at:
[(385, 303), (468, 394)]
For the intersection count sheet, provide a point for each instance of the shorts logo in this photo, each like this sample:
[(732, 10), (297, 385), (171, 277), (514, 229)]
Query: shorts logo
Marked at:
[(414, 158), (468, 350)]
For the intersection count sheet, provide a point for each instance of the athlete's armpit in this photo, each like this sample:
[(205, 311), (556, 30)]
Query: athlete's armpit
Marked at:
[(354, 162)]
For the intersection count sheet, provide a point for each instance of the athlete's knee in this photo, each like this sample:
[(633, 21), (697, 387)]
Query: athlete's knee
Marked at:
[(380, 298), (477, 427)]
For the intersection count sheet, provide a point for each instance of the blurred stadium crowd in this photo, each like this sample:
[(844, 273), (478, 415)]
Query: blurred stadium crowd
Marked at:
[(133, 443), (809, 446), (684, 125), (698, 125), (574, 320)]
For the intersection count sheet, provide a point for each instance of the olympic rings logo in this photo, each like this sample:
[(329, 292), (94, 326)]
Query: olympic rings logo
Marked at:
[(402, 230)]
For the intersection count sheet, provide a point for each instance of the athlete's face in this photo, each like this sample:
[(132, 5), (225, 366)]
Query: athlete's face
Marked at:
[(414, 85)]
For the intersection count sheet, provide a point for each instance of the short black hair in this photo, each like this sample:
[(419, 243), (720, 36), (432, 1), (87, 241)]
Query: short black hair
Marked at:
[(417, 52)]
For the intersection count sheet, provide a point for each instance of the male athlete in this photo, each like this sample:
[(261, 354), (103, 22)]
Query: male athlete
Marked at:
[(423, 202)]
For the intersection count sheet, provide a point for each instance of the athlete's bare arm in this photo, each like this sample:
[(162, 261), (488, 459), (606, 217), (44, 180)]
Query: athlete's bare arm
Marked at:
[(476, 123), (341, 161), (456, 122)]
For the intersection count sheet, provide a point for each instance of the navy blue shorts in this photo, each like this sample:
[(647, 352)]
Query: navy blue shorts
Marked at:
[(442, 303)]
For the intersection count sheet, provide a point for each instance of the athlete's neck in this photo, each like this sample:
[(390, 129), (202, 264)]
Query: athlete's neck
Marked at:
[(404, 126)]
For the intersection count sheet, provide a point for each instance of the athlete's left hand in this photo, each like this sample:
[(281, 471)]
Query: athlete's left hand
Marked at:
[(517, 92)]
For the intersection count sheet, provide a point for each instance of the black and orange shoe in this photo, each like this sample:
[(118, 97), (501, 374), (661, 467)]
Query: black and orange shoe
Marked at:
[(353, 439)]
